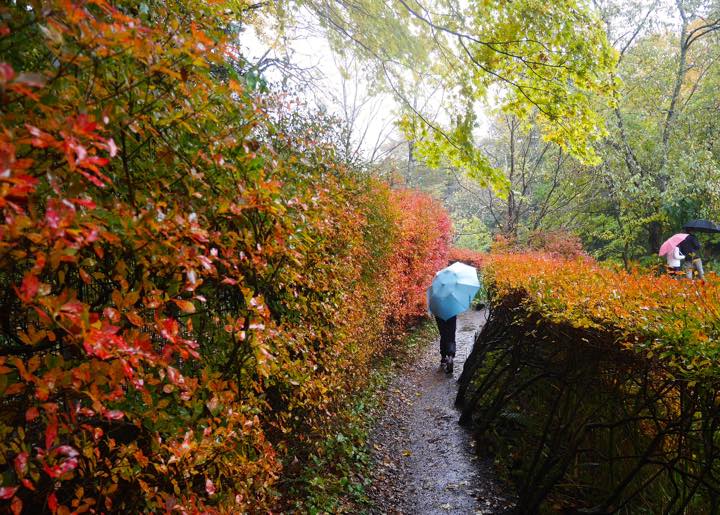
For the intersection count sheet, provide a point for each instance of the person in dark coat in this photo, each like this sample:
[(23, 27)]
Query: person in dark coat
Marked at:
[(447, 342), (690, 247)]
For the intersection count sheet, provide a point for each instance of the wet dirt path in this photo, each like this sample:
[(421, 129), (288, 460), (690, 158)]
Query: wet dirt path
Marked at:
[(424, 462)]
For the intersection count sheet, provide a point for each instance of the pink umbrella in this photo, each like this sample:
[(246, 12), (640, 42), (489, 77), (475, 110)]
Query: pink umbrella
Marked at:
[(672, 242)]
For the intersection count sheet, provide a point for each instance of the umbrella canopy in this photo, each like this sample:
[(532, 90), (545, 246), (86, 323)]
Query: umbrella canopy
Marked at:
[(672, 242), (701, 226), (452, 290)]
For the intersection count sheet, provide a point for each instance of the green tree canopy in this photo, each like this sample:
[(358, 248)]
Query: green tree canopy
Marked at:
[(524, 56)]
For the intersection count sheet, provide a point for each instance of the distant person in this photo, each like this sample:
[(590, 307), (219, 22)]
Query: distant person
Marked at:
[(447, 342), (674, 261), (450, 294), (690, 248)]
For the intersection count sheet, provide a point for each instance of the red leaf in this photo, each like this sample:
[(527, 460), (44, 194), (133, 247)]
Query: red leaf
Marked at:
[(52, 217), (6, 492), (67, 450), (89, 204), (31, 414), (40, 139), (85, 125), (97, 182), (134, 318), (6, 73), (169, 329), (29, 288), (21, 464), (86, 278), (102, 343), (113, 414), (51, 432), (112, 314), (112, 147), (52, 502), (16, 506), (175, 376), (67, 465)]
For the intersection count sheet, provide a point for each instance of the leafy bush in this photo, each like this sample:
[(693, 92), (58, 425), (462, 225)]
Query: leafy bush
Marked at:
[(473, 234), (421, 249), (467, 256), (558, 243), (192, 282), (655, 316), (596, 387)]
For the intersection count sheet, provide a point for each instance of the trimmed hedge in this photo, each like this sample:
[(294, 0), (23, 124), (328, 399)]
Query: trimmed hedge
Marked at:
[(193, 284), (598, 388)]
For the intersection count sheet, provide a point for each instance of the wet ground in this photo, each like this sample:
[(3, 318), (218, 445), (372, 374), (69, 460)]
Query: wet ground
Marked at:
[(424, 461)]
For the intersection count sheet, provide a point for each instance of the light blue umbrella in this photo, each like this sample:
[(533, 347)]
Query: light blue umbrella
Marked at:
[(452, 290)]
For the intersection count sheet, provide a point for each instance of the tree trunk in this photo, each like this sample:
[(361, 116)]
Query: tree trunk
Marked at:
[(654, 236)]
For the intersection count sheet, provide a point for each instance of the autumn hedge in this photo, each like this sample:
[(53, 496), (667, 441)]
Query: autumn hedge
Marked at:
[(674, 320), (598, 387), (193, 283)]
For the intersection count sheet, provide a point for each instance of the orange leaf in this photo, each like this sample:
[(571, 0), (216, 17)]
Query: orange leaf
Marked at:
[(185, 306)]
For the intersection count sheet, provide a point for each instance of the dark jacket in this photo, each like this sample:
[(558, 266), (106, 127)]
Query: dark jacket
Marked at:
[(690, 246)]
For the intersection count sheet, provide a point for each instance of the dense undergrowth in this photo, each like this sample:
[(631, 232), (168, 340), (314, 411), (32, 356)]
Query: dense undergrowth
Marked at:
[(193, 283), (598, 389)]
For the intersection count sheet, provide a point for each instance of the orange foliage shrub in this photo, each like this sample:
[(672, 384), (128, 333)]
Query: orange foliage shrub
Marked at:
[(581, 354), (192, 284), (656, 316), (558, 243)]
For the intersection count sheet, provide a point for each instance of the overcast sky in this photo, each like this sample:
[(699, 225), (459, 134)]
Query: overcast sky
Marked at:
[(317, 68)]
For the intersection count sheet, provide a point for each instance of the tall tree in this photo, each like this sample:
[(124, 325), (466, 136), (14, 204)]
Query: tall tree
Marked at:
[(525, 56), (659, 168)]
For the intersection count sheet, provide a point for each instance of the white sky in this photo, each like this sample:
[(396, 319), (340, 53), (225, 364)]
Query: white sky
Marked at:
[(309, 52)]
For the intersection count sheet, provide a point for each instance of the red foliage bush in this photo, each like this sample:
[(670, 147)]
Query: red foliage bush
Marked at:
[(421, 249), (558, 243), (467, 256), (192, 284)]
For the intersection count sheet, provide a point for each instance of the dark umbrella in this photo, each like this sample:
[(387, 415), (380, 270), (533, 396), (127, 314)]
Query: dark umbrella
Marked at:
[(689, 245), (701, 226)]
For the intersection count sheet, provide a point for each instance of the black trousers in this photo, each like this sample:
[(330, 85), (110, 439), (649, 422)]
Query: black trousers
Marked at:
[(447, 335)]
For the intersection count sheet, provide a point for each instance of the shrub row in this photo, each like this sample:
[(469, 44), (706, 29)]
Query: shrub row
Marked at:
[(658, 317), (598, 388), (193, 283)]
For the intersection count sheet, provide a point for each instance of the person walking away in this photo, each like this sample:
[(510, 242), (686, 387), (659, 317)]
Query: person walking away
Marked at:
[(674, 262), (447, 342), (690, 248)]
